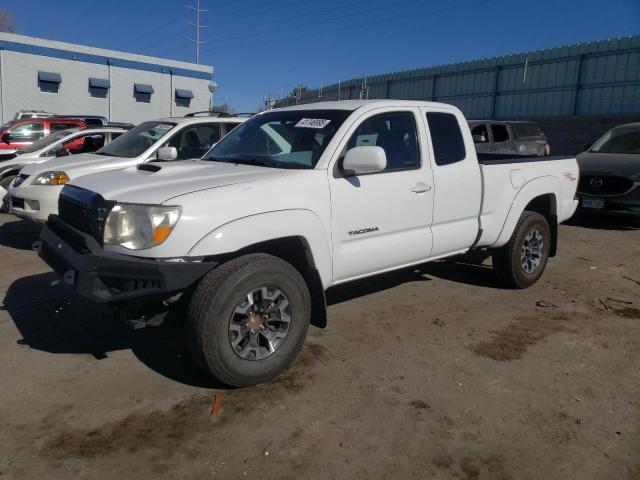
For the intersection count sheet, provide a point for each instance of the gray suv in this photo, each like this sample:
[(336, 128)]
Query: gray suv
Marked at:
[(509, 138)]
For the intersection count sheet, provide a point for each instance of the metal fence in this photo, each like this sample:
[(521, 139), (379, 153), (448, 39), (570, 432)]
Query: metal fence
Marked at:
[(596, 78)]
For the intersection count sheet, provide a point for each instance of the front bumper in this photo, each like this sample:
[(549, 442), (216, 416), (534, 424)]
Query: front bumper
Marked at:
[(627, 205), (34, 202), (107, 277)]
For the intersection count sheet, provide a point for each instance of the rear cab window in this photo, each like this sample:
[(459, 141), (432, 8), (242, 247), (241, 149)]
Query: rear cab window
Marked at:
[(446, 138)]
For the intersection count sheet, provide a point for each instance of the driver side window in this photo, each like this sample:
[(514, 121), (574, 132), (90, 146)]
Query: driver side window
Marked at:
[(396, 134), (193, 142)]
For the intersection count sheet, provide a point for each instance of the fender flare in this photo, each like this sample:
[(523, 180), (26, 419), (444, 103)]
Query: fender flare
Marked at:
[(547, 185), (247, 231)]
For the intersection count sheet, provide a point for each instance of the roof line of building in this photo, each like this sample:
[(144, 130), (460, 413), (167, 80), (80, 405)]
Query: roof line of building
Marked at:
[(80, 53)]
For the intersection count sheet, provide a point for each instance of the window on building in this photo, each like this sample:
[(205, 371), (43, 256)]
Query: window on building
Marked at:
[(183, 97), (27, 132), (395, 133), (142, 92), (446, 137), (99, 87), (500, 133), (49, 82)]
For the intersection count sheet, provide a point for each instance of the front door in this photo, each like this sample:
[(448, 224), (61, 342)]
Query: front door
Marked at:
[(381, 221)]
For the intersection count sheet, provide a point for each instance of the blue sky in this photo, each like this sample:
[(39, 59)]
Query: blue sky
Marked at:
[(258, 47)]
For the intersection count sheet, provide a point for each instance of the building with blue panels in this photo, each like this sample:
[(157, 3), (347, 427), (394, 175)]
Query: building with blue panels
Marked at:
[(64, 78)]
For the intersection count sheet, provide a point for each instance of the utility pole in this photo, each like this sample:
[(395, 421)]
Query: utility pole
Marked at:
[(197, 26)]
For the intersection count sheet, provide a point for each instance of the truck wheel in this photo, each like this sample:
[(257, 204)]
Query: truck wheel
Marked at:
[(248, 318), (521, 262)]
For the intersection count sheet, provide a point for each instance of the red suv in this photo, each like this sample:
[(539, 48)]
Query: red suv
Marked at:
[(20, 133)]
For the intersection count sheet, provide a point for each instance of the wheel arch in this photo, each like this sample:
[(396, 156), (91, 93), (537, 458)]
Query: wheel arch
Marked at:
[(295, 236), (539, 195), (10, 170)]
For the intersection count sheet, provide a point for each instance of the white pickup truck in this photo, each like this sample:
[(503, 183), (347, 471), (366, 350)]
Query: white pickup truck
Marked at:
[(290, 203)]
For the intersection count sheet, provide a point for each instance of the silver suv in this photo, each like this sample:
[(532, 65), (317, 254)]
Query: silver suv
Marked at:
[(509, 138)]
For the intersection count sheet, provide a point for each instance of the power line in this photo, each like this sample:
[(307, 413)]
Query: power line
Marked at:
[(338, 17), (365, 24), (303, 14)]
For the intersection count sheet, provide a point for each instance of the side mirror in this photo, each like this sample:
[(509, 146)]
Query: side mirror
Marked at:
[(365, 159), (7, 137), (479, 139), (167, 153), (61, 152)]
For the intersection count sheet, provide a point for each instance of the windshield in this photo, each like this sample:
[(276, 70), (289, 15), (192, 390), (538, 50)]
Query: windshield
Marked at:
[(46, 141), (280, 139), (618, 140), (137, 140)]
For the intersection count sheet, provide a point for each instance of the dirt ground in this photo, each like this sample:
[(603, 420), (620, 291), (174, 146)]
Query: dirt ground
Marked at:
[(434, 373)]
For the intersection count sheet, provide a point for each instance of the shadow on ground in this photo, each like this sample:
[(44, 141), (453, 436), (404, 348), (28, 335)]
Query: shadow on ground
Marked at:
[(470, 269), (603, 222), (56, 320), (19, 234)]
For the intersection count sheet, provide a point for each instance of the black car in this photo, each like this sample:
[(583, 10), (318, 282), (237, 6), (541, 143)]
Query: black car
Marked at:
[(610, 173)]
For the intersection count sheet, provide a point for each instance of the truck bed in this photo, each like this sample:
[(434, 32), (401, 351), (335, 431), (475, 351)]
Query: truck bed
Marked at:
[(506, 177), (501, 159)]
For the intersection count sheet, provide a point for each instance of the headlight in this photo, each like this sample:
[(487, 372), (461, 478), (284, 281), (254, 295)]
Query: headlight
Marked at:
[(139, 226), (51, 178)]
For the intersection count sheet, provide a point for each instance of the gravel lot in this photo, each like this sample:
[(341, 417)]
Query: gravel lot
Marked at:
[(436, 373)]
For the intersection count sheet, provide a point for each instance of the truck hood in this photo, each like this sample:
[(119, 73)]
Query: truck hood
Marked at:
[(80, 164), (155, 183), (622, 165)]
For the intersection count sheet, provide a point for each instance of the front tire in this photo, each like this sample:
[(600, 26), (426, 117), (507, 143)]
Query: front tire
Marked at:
[(521, 262), (248, 319)]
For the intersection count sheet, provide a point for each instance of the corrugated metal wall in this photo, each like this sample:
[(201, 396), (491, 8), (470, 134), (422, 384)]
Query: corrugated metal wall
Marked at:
[(597, 78)]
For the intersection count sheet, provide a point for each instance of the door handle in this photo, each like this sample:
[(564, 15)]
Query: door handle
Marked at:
[(421, 188)]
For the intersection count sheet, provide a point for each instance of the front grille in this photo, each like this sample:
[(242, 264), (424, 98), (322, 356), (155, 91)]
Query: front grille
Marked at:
[(84, 210), (604, 185), (74, 212)]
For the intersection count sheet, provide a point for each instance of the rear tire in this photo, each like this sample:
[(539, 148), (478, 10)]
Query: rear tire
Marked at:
[(233, 299), (521, 262)]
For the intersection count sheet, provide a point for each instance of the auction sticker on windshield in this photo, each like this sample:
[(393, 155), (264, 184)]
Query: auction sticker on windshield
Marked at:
[(318, 123), (163, 127)]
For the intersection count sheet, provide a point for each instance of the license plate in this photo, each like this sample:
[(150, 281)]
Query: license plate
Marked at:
[(592, 203)]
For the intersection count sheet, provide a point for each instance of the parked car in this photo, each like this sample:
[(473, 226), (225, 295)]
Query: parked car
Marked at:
[(509, 137), (59, 144), (610, 173), (20, 133), (290, 203), (20, 114), (40, 184)]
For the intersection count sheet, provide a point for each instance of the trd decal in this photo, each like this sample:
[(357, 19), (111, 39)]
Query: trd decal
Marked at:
[(363, 231)]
